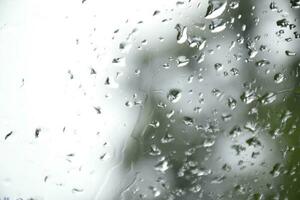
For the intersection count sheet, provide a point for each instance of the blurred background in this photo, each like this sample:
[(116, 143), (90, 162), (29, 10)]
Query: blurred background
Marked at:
[(149, 100)]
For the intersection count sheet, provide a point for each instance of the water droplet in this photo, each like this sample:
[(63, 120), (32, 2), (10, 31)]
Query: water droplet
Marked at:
[(215, 9), (155, 124), (238, 148), (167, 138), (154, 150), (218, 66), (273, 6), (209, 142), (75, 190), (197, 42), (295, 4), (268, 98), (120, 61), (226, 117), (197, 109), (37, 132), (282, 23), (170, 114), (181, 33), (179, 3), (128, 104), (275, 172), (188, 121), (262, 62), (217, 25), (182, 61), (124, 47), (201, 58), (218, 180), (226, 167), (290, 53), (174, 95), (109, 81), (248, 96), (253, 141), (252, 53), (97, 109), (155, 191), (278, 78), (8, 134), (236, 131), (162, 166), (156, 12), (234, 71), (251, 126), (234, 5)]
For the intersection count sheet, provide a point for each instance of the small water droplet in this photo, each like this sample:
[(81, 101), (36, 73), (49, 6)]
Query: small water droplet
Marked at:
[(236, 131), (218, 66), (218, 180), (278, 78), (170, 114), (262, 62), (181, 33), (276, 170), (162, 166), (226, 167), (182, 61), (124, 47), (252, 53), (234, 5), (167, 138), (201, 58), (268, 98), (251, 126), (273, 6), (290, 53), (174, 95), (188, 121), (282, 23), (253, 141), (217, 25), (155, 124), (197, 42), (209, 142), (248, 96), (215, 9), (154, 150), (128, 104), (156, 12), (120, 61)]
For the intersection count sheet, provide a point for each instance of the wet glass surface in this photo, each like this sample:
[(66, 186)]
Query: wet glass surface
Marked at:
[(128, 100)]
